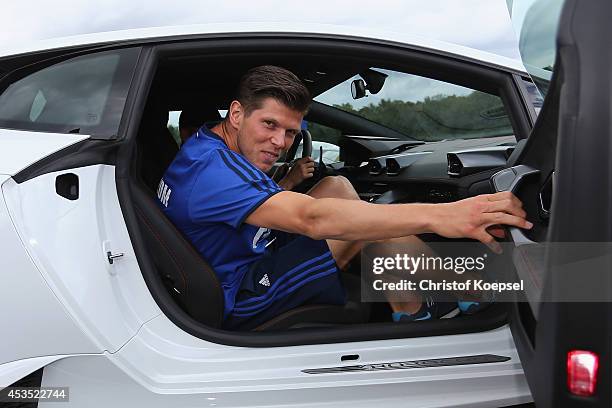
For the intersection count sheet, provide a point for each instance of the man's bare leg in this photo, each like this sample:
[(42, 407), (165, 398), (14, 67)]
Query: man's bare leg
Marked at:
[(344, 251), (338, 187)]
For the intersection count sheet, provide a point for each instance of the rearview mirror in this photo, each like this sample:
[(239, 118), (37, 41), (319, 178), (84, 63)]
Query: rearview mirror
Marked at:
[(358, 89), (374, 82)]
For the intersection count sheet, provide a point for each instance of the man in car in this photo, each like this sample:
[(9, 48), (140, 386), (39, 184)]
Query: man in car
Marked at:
[(192, 118), (274, 250)]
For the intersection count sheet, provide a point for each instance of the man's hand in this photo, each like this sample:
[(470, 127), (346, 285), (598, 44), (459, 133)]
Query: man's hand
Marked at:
[(480, 218), (301, 170)]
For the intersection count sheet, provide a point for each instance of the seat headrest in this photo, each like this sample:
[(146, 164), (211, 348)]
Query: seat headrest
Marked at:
[(196, 116)]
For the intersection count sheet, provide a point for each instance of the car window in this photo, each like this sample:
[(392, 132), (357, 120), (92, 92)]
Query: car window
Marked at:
[(325, 139), (331, 152), (536, 22), (173, 125), (535, 97), (324, 133), (85, 95), (423, 108)]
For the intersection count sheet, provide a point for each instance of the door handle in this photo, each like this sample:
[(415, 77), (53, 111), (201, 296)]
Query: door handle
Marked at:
[(509, 180)]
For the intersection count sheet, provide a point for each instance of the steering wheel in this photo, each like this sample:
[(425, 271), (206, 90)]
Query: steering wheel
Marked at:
[(304, 136)]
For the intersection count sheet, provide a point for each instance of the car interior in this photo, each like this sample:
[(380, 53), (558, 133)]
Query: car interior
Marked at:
[(384, 162)]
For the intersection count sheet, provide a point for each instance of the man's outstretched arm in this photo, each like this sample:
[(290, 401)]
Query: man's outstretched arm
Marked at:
[(352, 220)]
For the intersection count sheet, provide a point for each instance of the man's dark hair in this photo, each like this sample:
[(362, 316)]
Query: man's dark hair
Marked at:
[(268, 81)]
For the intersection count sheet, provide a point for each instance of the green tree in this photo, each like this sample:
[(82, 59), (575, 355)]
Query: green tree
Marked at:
[(439, 117)]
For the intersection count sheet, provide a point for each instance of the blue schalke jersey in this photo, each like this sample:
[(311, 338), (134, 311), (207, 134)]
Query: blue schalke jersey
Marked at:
[(207, 192)]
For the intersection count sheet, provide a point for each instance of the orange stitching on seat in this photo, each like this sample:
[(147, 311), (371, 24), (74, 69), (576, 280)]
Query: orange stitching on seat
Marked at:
[(168, 249), (219, 299)]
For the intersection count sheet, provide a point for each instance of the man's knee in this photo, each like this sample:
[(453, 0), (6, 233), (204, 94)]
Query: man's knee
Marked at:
[(344, 251), (342, 186)]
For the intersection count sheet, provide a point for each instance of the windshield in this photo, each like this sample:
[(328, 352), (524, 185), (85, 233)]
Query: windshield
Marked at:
[(423, 108), (536, 22)]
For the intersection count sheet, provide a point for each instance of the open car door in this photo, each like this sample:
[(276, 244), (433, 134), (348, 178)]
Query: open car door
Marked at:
[(562, 326)]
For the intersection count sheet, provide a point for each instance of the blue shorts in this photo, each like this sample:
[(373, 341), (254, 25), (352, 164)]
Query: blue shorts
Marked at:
[(295, 271)]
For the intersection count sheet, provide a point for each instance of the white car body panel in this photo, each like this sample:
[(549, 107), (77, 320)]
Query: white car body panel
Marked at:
[(64, 239), (20, 149), (13, 371), (220, 29), (23, 319), (163, 366)]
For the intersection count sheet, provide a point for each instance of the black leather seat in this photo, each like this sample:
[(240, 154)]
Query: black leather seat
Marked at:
[(158, 146), (157, 143), (194, 285)]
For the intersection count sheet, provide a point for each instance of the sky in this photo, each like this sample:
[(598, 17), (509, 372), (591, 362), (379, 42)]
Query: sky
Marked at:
[(480, 24)]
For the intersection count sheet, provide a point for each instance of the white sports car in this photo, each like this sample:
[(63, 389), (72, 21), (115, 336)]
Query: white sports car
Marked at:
[(101, 294)]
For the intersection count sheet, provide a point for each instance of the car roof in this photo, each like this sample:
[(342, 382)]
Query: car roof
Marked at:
[(170, 33)]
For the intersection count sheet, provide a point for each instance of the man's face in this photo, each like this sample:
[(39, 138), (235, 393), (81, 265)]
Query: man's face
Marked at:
[(266, 132)]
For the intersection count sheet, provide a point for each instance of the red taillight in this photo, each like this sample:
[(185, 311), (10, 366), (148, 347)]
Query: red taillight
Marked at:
[(582, 372)]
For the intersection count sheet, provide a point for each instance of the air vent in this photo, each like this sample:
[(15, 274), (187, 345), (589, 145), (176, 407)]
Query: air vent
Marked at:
[(454, 165), (393, 167), (375, 167)]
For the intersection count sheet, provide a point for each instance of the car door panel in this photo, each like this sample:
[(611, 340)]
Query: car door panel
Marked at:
[(35, 323), (568, 155), (67, 242)]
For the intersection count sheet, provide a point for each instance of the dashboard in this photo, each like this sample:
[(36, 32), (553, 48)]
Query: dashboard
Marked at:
[(389, 170)]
